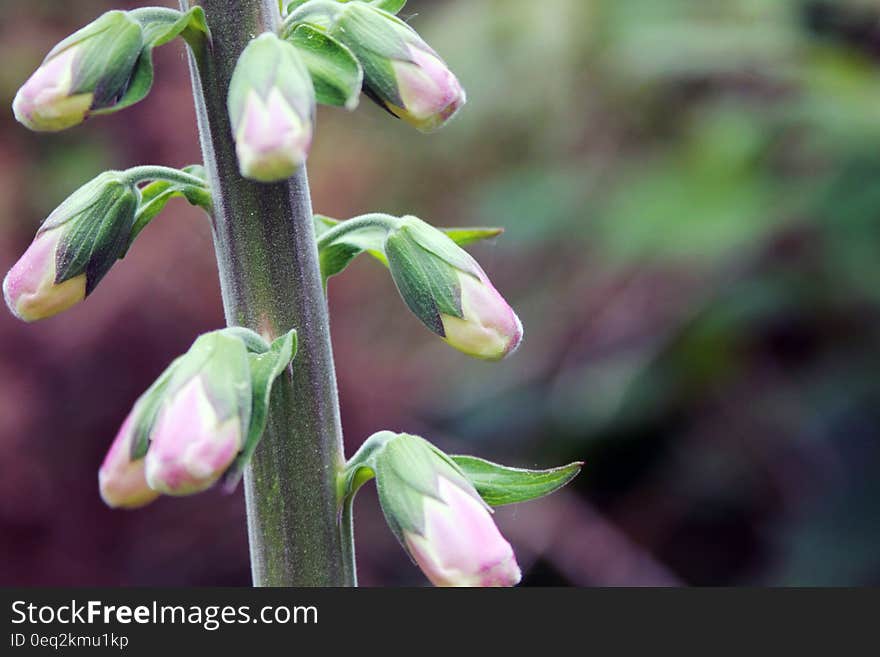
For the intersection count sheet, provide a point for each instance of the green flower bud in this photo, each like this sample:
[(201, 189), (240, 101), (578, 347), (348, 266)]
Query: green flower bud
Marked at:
[(89, 70), (203, 419), (438, 516), (271, 109), (73, 249), (449, 292), (401, 72)]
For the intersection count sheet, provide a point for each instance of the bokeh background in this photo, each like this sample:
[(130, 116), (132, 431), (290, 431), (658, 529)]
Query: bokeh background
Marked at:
[(691, 196)]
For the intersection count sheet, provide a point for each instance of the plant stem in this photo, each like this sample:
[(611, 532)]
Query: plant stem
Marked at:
[(384, 223), (269, 275), (154, 172)]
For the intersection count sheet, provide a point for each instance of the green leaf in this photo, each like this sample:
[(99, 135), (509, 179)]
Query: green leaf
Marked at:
[(499, 485), (156, 195), (265, 368), (336, 73), (465, 236)]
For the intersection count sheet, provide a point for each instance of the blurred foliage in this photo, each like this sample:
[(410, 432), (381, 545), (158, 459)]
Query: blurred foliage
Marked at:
[(692, 241)]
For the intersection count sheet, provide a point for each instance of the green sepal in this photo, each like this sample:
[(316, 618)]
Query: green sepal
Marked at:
[(336, 74), (377, 38), (138, 86), (428, 285), (391, 6), (109, 48), (159, 25), (268, 62), (156, 195), (96, 220), (499, 485), (441, 245), (265, 367), (221, 359), (253, 341), (146, 409), (407, 470), (367, 29)]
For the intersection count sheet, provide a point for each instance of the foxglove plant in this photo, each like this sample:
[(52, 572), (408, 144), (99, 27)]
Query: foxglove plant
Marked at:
[(258, 400)]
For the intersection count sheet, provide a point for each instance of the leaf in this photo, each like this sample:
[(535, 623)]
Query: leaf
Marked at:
[(499, 484), (265, 368), (465, 236), (336, 74)]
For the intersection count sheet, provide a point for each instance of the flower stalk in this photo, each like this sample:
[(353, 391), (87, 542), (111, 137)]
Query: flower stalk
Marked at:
[(271, 282)]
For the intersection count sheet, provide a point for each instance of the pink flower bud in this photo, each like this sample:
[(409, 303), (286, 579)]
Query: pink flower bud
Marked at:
[(272, 140), (191, 446), (30, 289), (460, 545), (121, 480), (45, 102), (489, 328), (429, 91)]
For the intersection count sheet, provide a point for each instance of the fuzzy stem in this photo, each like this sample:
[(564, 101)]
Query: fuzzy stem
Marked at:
[(152, 172), (383, 222), (269, 275)]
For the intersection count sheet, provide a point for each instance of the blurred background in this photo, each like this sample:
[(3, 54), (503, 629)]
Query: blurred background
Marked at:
[(691, 196)]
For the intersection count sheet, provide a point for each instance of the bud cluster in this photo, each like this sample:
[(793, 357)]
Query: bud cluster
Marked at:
[(201, 420)]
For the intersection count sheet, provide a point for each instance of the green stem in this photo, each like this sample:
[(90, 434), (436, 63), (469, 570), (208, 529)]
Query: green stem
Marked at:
[(347, 532), (150, 172), (271, 282), (384, 222)]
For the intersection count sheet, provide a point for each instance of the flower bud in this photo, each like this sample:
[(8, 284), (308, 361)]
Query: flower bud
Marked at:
[(450, 293), (401, 72), (439, 517), (87, 71), (191, 445), (460, 544), (271, 108), (203, 419), (121, 479), (73, 249)]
